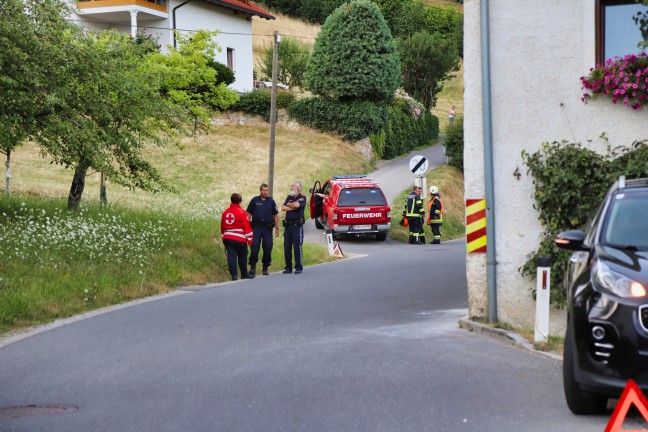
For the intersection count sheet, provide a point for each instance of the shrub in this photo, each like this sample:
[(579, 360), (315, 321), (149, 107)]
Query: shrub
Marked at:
[(257, 102), (454, 144), (393, 130), (224, 74), (355, 56), (352, 120), (403, 132)]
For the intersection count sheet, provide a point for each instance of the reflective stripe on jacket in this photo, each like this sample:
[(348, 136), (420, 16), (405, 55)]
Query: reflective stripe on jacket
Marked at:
[(235, 225), (414, 206)]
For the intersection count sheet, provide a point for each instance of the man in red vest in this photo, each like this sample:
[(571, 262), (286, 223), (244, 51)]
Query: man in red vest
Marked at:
[(237, 235)]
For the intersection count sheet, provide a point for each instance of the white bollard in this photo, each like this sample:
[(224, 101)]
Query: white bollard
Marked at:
[(329, 242), (542, 300)]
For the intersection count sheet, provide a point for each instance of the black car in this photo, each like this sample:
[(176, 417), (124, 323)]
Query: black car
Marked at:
[(606, 342)]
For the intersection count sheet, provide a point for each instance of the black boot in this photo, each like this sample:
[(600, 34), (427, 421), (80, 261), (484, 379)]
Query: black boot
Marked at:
[(265, 271), (253, 270)]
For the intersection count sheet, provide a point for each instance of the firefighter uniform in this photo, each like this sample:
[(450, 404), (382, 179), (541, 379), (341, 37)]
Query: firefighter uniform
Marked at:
[(435, 214), (415, 214), (237, 235)]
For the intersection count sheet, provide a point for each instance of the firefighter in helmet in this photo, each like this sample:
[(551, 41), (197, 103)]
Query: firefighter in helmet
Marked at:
[(415, 213), (435, 214)]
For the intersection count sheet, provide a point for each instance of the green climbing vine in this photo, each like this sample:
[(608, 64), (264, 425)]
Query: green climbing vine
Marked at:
[(570, 181)]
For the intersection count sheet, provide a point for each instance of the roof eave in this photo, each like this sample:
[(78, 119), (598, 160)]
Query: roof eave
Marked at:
[(240, 9)]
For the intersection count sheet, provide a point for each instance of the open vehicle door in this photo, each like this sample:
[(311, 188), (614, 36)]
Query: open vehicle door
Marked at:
[(315, 201)]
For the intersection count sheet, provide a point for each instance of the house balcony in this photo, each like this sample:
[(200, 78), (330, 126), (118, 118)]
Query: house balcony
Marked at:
[(147, 8)]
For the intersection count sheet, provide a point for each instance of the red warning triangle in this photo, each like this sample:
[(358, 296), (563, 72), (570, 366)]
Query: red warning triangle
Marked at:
[(337, 251), (631, 395)]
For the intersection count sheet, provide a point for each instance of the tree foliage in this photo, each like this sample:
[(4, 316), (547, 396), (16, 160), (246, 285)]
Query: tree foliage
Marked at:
[(454, 144), (188, 78), (426, 61), (404, 17), (34, 68), (113, 111), (355, 56), (292, 63)]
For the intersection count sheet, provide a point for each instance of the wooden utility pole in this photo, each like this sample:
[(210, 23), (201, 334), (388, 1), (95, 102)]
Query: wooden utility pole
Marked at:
[(103, 198), (273, 108)]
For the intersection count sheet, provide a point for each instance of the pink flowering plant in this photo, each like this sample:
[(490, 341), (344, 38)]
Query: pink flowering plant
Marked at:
[(624, 79)]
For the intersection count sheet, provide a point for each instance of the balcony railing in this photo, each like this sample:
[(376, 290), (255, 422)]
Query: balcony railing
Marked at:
[(159, 5)]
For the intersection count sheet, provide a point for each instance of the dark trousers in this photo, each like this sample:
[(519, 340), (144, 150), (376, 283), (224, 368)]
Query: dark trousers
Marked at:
[(236, 252), (293, 239), (415, 228), (436, 232), (262, 236)]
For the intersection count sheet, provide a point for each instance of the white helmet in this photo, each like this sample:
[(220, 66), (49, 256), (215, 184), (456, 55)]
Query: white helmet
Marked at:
[(434, 190)]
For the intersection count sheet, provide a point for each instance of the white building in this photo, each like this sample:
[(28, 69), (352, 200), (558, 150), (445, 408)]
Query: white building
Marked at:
[(233, 18), (538, 51)]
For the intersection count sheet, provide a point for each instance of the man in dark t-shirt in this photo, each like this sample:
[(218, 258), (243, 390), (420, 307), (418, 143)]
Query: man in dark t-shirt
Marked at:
[(264, 217), (294, 206)]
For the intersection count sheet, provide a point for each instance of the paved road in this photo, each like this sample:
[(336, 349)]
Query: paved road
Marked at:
[(363, 344), (394, 177), (369, 343)]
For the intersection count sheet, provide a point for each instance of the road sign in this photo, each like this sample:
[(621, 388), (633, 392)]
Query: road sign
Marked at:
[(419, 165)]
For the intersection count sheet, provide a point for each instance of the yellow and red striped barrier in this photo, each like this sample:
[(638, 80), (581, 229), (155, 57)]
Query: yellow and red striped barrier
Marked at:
[(476, 225)]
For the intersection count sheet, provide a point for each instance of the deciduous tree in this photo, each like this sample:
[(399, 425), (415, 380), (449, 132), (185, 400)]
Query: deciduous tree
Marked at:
[(426, 61), (189, 80), (292, 62), (34, 68)]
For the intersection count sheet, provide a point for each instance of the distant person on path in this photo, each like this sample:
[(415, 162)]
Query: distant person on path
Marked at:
[(452, 114), (237, 235), (264, 217), (435, 214), (415, 214), (294, 206)]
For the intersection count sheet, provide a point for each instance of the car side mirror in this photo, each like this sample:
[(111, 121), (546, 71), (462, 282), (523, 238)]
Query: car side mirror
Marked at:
[(570, 240)]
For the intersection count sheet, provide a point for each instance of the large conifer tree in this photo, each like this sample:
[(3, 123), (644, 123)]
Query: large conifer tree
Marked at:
[(355, 56)]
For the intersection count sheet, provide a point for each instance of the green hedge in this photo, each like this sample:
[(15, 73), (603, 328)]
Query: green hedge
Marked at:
[(352, 120), (257, 102), (454, 144), (391, 129)]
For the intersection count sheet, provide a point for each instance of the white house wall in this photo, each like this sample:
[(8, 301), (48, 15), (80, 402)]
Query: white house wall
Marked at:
[(196, 15), (236, 34), (538, 53)]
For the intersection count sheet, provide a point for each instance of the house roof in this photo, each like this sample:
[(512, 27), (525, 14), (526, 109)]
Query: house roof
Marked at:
[(246, 6)]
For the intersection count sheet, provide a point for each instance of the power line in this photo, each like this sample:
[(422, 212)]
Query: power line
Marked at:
[(115, 24)]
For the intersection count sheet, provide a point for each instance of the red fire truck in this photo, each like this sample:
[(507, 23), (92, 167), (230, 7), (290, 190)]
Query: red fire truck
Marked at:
[(350, 205)]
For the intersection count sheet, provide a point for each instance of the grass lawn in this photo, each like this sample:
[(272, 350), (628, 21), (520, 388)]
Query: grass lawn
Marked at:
[(55, 263), (451, 188)]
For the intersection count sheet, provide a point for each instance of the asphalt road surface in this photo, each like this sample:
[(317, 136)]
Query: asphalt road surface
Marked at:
[(368, 343)]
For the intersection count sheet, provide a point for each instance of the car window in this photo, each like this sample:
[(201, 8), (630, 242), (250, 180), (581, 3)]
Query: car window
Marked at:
[(361, 196), (626, 223)]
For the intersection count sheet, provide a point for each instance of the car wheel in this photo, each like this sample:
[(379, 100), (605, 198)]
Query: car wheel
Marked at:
[(381, 237), (578, 400), (318, 224)]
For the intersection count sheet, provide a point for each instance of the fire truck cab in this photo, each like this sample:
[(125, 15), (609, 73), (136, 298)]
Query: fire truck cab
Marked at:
[(350, 205)]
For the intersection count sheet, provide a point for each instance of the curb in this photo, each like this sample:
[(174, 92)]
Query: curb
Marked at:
[(505, 336)]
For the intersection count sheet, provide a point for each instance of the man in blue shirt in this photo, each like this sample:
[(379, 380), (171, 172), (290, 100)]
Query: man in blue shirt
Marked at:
[(294, 206), (264, 217)]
